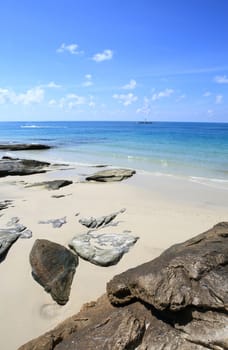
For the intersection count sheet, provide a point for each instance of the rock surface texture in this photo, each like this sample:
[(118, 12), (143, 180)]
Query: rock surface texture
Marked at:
[(111, 175), (15, 166), (9, 235), (53, 266), (177, 301), (102, 221), (52, 185), (23, 146), (103, 249)]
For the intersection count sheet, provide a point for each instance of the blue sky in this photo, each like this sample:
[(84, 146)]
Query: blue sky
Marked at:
[(114, 60)]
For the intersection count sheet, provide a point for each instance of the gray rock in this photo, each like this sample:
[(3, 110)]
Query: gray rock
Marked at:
[(53, 267), (56, 223), (110, 175), (5, 204), (7, 237), (102, 221), (23, 146), (13, 221), (21, 167), (52, 185), (103, 249)]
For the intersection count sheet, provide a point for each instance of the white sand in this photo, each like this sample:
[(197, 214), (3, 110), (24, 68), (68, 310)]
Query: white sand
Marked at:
[(161, 210)]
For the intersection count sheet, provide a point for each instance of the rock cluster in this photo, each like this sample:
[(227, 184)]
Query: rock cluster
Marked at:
[(176, 301)]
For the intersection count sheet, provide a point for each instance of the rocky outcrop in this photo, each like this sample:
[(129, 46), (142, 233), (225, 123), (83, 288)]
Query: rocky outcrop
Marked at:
[(52, 185), (187, 274), (53, 267), (15, 166), (23, 146), (103, 249), (111, 175), (102, 221), (176, 301)]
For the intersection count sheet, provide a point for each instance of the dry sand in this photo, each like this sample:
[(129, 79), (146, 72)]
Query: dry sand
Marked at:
[(161, 210)]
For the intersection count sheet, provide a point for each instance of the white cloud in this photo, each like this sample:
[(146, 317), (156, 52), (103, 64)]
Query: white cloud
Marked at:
[(207, 94), (218, 99), (72, 100), (125, 99), (210, 112), (103, 56), (221, 79), (52, 85), (180, 98), (88, 80), (146, 108), (71, 48), (130, 86), (161, 94), (34, 95)]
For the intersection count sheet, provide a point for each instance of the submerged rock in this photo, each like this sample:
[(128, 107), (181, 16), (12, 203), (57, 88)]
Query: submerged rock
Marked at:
[(102, 221), (103, 249), (110, 175), (21, 167), (52, 185), (53, 267), (23, 146)]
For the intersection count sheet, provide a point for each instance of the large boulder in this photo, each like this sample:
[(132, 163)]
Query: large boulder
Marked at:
[(23, 146), (176, 301), (111, 175), (53, 267), (15, 166), (193, 273)]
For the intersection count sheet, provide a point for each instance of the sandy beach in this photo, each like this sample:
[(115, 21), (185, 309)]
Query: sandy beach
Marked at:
[(161, 210)]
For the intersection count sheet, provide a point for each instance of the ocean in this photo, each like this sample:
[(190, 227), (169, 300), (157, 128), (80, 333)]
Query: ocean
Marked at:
[(193, 150)]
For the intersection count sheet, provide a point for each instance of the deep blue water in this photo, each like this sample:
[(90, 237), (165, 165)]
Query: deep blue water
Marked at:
[(186, 149)]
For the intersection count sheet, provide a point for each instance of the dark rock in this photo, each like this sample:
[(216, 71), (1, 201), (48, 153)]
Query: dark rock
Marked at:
[(53, 267), (56, 223), (103, 249), (5, 204), (52, 185), (23, 146), (187, 274), (102, 221), (21, 167), (110, 175), (178, 301), (97, 326)]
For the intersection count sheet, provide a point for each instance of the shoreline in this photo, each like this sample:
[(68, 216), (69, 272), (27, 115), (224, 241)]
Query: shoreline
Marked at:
[(161, 210)]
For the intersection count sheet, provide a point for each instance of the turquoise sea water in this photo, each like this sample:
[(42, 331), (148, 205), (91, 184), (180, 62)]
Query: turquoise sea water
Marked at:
[(183, 149)]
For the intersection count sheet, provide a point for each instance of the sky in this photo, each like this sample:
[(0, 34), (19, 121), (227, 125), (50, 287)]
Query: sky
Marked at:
[(163, 60)]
